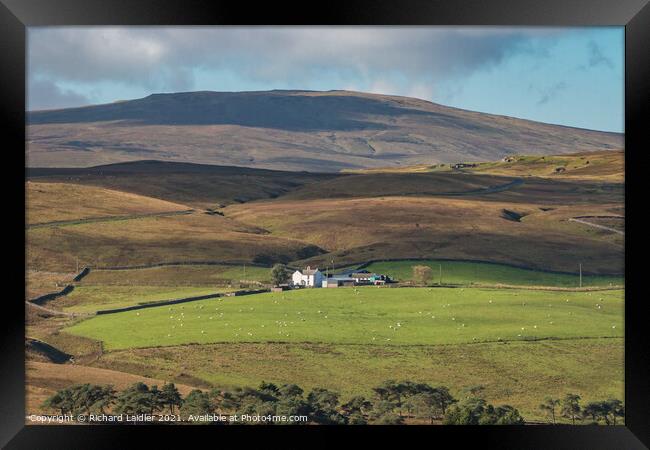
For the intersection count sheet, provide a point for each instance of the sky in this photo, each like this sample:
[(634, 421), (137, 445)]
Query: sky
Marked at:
[(567, 76)]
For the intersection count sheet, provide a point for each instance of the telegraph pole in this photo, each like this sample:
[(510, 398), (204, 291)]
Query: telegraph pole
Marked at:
[(440, 275), (580, 269)]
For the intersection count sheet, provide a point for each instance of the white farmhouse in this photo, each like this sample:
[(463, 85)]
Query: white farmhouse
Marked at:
[(308, 277)]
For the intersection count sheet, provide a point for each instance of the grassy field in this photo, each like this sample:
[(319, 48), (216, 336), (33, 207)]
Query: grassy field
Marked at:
[(464, 272), (379, 316), (600, 165), (179, 275), (518, 373), (88, 298)]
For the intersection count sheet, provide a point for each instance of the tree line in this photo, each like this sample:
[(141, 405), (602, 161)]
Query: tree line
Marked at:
[(594, 413), (392, 402)]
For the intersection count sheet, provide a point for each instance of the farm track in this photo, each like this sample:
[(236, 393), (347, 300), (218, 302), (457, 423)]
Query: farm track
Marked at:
[(487, 190), (57, 312), (64, 223), (183, 263), (595, 225)]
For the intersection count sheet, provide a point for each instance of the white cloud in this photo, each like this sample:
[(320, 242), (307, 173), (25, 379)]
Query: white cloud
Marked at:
[(165, 58)]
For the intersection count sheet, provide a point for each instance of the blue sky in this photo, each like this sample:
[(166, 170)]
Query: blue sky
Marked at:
[(569, 76)]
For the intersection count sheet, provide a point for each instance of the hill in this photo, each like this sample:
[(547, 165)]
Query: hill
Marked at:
[(292, 130)]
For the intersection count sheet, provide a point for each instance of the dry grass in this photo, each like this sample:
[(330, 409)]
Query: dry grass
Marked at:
[(195, 237), (197, 275), (43, 379), (38, 283), (390, 184), (48, 202), (195, 185), (520, 373), (420, 227)]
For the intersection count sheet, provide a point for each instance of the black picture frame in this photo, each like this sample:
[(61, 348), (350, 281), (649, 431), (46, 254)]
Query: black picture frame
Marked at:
[(16, 15)]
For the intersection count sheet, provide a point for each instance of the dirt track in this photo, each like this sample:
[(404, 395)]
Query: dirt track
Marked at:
[(595, 225), (63, 223)]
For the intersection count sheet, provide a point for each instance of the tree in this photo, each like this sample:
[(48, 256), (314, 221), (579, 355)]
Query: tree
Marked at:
[(443, 399), (571, 407), (549, 406), (136, 399), (269, 389), (323, 405), (507, 415), (357, 405), (476, 411), (60, 400), (197, 403), (422, 274), (171, 397), (356, 410), (615, 409), (323, 398), (157, 399), (423, 406), (292, 406), (256, 405), (391, 391), (279, 274), (81, 398), (468, 412), (430, 402), (593, 410), (225, 400)]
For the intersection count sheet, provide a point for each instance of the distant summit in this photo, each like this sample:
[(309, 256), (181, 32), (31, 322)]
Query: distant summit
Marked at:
[(291, 130)]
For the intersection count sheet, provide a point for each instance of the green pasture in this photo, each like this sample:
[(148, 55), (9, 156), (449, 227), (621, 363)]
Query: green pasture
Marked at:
[(371, 315), (464, 272)]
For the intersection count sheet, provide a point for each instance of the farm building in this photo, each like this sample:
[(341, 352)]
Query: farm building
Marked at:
[(334, 282), (358, 278), (462, 165), (308, 277), (369, 278)]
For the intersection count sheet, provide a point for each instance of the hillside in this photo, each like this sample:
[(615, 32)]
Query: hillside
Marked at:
[(265, 216), (292, 130)]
